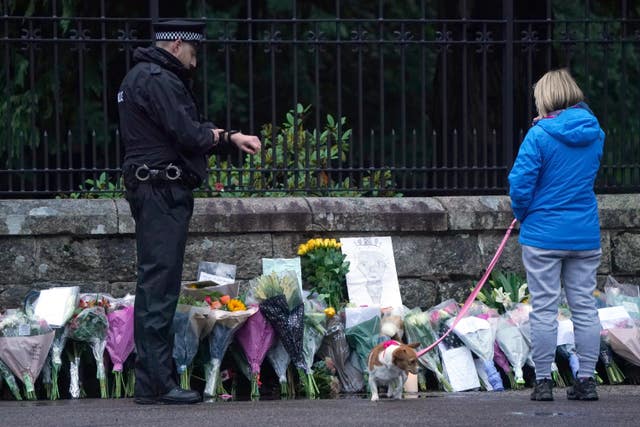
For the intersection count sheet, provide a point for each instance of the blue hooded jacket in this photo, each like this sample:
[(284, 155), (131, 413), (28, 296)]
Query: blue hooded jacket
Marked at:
[(551, 182)]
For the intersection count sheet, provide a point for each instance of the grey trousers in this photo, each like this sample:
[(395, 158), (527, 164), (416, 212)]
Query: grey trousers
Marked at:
[(546, 269)]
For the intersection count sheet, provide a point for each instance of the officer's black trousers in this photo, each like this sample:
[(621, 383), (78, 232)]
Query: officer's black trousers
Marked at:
[(162, 212)]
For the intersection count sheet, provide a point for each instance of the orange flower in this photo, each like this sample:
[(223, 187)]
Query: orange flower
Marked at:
[(224, 299), (215, 304), (236, 305)]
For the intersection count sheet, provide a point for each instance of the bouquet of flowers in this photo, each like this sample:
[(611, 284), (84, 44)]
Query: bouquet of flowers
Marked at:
[(8, 377), (324, 269), (228, 318), (120, 343), (24, 346), (514, 346), (90, 325), (478, 334), (281, 303), (55, 306), (625, 295), (614, 373), (192, 322), (439, 317), (255, 337), (314, 331), (418, 329), (335, 347), (501, 360), (362, 337), (59, 341), (504, 291), (519, 314), (279, 359)]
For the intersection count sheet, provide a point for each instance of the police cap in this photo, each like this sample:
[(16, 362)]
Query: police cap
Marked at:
[(191, 31)]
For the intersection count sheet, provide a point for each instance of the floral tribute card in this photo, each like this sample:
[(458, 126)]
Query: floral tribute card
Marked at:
[(372, 279)]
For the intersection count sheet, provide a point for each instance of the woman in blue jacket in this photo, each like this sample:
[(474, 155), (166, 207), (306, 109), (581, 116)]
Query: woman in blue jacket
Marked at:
[(551, 189)]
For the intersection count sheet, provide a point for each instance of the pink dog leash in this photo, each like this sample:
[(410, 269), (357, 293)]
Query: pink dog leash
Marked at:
[(475, 291)]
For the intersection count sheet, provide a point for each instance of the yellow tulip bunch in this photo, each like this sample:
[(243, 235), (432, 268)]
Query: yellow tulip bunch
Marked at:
[(318, 243), (324, 270)]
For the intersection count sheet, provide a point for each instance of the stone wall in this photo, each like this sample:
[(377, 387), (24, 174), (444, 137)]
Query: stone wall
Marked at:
[(441, 244)]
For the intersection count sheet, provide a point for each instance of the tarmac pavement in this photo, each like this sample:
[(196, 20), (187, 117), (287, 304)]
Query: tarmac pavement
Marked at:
[(618, 406)]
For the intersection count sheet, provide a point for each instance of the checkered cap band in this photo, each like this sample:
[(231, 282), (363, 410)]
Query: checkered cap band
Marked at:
[(186, 36)]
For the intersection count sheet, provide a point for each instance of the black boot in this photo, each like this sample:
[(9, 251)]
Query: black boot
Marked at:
[(542, 390), (583, 389)]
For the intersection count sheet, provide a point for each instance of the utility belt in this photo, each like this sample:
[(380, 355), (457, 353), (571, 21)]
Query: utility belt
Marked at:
[(135, 175)]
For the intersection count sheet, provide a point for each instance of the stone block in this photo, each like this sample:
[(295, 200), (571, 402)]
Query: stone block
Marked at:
[(58, 216), (626, 256), (477, 212), (250, 215), (619, 211), (386, 214)]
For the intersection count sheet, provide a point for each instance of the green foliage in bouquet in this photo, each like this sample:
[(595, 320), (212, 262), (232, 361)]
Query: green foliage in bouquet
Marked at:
[(324, 269), (505, 290), (271, 285)]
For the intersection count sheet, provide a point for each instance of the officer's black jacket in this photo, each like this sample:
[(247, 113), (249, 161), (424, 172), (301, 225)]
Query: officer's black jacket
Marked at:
[(159, 119)]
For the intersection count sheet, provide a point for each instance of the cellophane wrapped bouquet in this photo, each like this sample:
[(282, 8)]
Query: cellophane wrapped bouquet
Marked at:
[(229, 315), (24, 345), (281, 303), (89, 324), (120, 342), (477, 330), (192, 322), (255, 337), (418, 329)]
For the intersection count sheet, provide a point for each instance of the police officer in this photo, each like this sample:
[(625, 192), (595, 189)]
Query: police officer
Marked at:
[(166, 148)]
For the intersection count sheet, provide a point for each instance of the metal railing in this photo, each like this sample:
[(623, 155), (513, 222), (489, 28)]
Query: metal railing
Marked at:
[(432, 103)]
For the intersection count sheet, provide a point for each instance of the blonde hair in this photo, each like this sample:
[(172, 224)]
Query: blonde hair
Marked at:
[(556, 90)]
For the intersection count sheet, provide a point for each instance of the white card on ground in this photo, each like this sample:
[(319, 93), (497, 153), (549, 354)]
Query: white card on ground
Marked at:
[(460, 369), (565, 332)]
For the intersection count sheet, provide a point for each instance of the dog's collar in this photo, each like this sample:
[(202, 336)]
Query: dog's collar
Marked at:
[(389, 343), (386, 345)]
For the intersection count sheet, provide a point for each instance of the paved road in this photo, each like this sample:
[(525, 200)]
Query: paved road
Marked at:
[(618, 406)]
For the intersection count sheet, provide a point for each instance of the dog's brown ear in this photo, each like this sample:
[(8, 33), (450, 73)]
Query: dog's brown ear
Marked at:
[(414, 344)]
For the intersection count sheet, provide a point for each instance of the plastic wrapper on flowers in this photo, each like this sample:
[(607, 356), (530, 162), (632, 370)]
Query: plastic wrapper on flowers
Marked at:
[(417, 328), (289, 326), (620, 294), (513, 345), (477, 333), (280, 359), (120, 343), (626, 343), (335, 347), (90, 325), (440, 314), (10, 380), (24, 346), (314, 331), (255, 337), (362, 337), (191, 324), (281, 303), (224, 328)]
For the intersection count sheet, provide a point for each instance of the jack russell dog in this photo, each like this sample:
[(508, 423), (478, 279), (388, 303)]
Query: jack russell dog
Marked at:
[(389, 363)]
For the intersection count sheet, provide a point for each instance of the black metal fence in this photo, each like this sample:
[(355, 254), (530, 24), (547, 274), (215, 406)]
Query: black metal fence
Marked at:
[(423, 98)]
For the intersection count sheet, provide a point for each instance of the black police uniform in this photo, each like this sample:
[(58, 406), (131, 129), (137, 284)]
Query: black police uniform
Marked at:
[(160, 127)]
